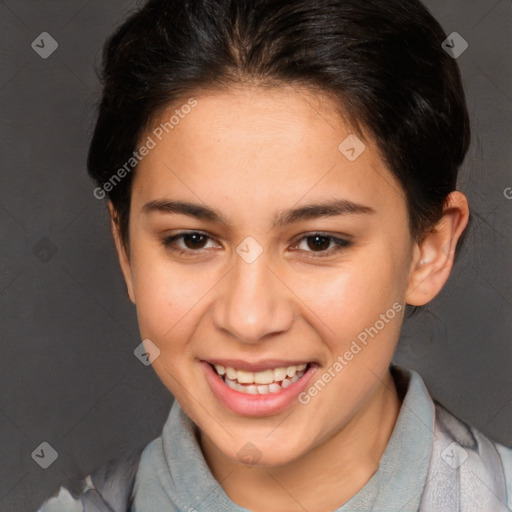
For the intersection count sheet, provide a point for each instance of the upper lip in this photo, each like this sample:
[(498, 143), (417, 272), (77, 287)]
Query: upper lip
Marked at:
[(256, 366)]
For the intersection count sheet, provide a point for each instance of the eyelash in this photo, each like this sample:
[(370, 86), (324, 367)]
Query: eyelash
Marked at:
[(340, 243)]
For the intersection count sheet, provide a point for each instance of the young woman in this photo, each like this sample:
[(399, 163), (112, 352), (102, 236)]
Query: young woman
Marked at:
[(281, 179)]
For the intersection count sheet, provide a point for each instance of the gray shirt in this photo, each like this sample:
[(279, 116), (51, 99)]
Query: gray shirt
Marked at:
[(421, 467)]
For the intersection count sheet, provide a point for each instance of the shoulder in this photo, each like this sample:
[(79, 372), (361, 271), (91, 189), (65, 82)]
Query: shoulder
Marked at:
[(505, 453), (473, 457), (108, 488), (64, 501)]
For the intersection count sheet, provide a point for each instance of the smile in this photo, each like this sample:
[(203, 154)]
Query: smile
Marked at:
[(257, 389), (263, 382)]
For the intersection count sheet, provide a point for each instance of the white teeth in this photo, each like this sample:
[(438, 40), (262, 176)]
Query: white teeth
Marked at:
[(244, 377), (261, 389), (251, 390), (265, 377), (231, 373), (220, 369), (281, 374), (290, 371), (274, 388), (231, 383)]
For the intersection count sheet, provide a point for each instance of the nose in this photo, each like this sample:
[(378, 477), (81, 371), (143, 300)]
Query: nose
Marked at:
[(253, 302)]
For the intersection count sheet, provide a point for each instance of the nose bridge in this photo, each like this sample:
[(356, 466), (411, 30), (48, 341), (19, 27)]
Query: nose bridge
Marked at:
[(253, 301)]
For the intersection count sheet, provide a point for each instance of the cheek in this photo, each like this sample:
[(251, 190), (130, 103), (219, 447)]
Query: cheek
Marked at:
[(165, 295), (168, 299), (343, 302)]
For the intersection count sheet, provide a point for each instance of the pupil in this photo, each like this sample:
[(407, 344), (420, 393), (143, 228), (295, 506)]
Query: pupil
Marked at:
[(196, 238), (320, 245)]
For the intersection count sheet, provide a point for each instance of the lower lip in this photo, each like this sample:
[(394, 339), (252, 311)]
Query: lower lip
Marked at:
[(255, 405)]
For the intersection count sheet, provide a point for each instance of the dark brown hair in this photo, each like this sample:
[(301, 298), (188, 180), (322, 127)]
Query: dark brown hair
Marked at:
[(382, 59)]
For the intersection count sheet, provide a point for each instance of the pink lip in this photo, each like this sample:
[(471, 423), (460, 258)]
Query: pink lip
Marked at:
[(255, 405), (259, 366)]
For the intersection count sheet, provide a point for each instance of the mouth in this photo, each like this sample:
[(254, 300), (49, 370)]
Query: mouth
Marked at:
[(271, 380), (257, 389)]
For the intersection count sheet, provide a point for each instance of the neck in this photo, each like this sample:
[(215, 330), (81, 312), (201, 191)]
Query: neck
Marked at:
[(322, 479)]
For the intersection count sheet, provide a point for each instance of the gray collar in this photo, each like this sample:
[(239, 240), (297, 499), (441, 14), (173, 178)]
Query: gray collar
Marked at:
[(397, 485)]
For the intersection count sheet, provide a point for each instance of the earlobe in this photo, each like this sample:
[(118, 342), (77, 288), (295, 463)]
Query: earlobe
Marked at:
[(433, 257), (122, 254)]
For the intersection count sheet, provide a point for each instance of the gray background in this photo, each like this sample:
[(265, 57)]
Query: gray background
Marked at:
[(68, 375)]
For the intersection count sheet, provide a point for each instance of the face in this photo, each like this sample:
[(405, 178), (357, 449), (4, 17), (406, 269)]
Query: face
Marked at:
[(245, 273)]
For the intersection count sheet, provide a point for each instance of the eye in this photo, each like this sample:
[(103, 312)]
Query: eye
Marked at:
[(321, 243), (193, 241)]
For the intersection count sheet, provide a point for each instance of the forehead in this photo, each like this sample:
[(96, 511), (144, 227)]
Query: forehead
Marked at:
[(252, 147)]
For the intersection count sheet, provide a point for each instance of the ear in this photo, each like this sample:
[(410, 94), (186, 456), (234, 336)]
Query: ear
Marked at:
[(122, 254), (433, 257)]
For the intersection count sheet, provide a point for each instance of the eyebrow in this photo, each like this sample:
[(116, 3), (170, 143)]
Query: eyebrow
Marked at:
[(328, 208)]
